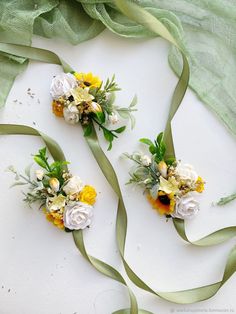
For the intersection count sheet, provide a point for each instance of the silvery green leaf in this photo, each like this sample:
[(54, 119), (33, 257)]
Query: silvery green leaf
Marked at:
[(28, 170), (133, 121), (123, 114), (111, 99), (18, 183), (11, 168), (141, 172), (226, 200), (136, 156), (134, 101), (154, 191)]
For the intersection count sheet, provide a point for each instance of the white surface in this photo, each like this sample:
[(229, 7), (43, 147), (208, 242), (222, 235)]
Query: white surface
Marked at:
[(41, 271)]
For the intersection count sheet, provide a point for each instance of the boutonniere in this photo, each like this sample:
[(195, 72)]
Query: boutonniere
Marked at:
[(170, 185), (64, 199), (84, 98)]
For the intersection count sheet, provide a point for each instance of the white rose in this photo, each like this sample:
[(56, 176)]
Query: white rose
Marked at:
[(39, 174), (113, 118), (145, 160), (62, 84), (186, 172), (74, 185), (71, 114), (186, 207), (77, 215)]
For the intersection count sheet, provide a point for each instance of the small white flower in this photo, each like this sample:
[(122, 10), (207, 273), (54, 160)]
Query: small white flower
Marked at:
[(71, 114), (186, 172), (77, 215), (186, 207), (113, 118), (54, 184), (56, 202), (74, 185), (39, 174), (62, 84), (145, 160)]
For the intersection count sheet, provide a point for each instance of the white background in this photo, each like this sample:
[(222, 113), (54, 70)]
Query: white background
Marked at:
[(41, 271)]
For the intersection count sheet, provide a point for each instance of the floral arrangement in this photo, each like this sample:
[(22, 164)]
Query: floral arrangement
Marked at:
[(81, 97), (170, 184), (63, 198)]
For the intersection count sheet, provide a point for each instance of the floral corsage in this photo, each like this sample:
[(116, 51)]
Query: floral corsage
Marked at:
[(83, 98), (63, 198), (170, 185)]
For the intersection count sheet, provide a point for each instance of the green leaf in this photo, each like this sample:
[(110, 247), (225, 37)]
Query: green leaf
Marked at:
[(120, 130), (160, 138), (169, 161), (43, 152), (146, 141), (152, 149), (100, 116), (109, 137), (88, 129), (40, 162)]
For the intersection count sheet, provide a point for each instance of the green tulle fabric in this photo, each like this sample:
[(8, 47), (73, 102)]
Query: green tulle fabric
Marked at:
[(206, 31)]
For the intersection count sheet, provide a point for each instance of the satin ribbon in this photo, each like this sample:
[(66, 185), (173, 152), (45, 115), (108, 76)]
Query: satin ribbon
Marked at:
[(187, 296)]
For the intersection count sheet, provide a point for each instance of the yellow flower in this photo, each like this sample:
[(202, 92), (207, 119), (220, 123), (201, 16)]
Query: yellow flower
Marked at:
[(57, 108), (55, 217), (81, 95), (199, 185), (165, 203), (88, 79), (87, 195), (169, 186)]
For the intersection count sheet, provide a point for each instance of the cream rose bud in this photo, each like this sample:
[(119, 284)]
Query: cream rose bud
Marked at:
[(54, 184), (62, 84), (113, 118), (162, 167), (39, 174), (186, 207), (71, 114), (77, 215), (95, 107), (145, 160), (73, 185), (186, 172)]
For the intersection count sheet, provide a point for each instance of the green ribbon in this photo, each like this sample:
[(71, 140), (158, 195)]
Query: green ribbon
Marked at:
[(141, 16)]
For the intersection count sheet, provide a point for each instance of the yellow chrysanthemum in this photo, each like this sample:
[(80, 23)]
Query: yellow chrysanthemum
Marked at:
[(199, 185), (88, 79), (57, 108), (87, 195), (55, 217), (165, 203)]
